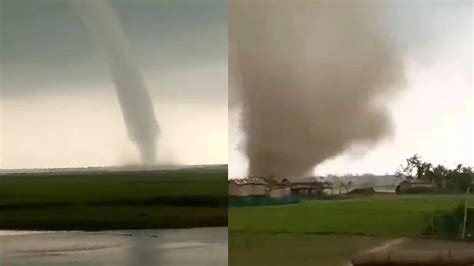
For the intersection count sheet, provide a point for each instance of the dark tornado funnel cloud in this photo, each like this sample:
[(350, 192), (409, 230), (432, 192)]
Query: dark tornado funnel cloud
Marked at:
[(135, 102), (312, 78)]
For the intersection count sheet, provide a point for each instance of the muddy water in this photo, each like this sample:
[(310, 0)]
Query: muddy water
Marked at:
[(180, 247)]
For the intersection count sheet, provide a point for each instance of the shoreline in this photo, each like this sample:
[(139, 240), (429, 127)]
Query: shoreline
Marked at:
[(10, 232)]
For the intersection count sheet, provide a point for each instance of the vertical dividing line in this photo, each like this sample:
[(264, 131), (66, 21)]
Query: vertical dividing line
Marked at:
[(463, 234)]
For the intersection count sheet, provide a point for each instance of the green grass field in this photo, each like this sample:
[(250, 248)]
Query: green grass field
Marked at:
[(114, 200), (296, 249), (273, 249), (330, 232), (379, 215)]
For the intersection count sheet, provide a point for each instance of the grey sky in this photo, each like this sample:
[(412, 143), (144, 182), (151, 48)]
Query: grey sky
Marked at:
[(58, 106), (44, 43)]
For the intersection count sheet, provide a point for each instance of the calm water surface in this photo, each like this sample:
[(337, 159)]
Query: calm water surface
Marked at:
[(173, 247)]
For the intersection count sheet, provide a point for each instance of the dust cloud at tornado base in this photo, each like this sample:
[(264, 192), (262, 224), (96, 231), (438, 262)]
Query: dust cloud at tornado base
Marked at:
[(310, 79)]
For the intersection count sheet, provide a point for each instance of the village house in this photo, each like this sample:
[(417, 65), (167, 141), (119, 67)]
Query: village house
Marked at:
[(414, 183), (277, 187), (305, 186), (280, 192), (248, 187)]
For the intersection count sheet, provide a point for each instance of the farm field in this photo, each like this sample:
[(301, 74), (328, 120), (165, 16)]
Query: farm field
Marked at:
[(190, 197), (377, 215), (275, 249), (330, 232), (295, 249)]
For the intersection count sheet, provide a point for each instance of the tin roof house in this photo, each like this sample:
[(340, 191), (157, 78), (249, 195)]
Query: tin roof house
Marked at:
[(248, 187)]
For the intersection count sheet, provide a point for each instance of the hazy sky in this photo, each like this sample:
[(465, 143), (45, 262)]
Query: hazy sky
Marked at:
[(58, 106), (433, 114)]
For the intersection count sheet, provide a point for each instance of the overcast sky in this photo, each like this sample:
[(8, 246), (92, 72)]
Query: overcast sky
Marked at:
[(58, 105), (433, 114)]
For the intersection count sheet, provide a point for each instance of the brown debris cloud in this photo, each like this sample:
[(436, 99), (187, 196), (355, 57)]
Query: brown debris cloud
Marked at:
[(310, 77)]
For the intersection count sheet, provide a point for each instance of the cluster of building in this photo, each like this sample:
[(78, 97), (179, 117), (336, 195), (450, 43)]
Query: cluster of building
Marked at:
[(277, 187), (414, 183), (314, 186)]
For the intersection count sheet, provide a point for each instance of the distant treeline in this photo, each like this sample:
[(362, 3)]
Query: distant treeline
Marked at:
[(458, 178)]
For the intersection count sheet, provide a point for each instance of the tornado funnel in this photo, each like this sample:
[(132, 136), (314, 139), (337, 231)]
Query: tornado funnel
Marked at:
[(135, 102)]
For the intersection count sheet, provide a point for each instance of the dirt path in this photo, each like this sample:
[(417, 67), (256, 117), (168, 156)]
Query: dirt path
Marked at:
[(384, 246), (388, 244)]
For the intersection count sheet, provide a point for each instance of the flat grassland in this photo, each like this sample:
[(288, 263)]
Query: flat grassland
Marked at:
[(189, 197), (273, 249), (378, 215), (330, 232), (296, 249)]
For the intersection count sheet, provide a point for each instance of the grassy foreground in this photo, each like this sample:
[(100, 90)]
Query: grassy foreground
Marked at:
[(273, 249), (191, 197), (379, 215), (330, 232), (296, 249)]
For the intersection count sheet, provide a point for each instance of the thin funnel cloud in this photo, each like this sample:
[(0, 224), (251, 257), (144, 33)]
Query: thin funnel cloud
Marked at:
[(135, 102)]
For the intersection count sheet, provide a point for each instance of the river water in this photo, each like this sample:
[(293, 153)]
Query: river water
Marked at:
[(173, 247)]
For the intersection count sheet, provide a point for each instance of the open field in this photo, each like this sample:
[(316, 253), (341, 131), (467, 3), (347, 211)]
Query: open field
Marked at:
[(330, 232), (295, 249), (378, 215), (190, 197), (274, 249)]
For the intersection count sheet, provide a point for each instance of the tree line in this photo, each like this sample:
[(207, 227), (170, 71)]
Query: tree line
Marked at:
[(458, 178)]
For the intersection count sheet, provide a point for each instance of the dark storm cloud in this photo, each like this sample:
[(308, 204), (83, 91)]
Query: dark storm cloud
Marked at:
[(43, 43)]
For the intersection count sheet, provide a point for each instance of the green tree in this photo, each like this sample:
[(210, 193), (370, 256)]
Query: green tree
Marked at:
[(440, 173), (409, 171), (459, 178)]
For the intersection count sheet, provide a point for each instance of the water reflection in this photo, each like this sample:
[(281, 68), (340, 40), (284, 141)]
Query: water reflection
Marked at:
[(183, 247)]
